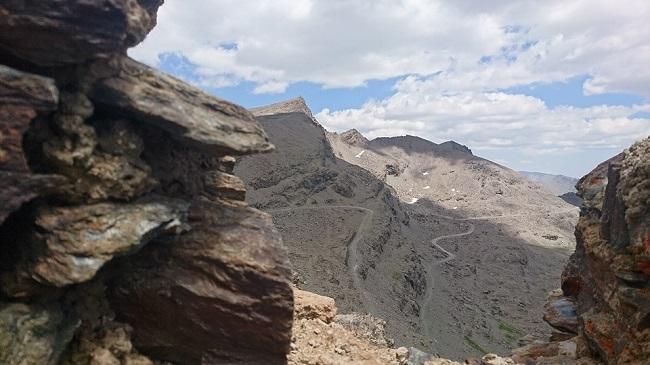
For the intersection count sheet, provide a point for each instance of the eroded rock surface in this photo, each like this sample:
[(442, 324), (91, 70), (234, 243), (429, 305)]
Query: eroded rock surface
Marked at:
[(60, 32), (609, 276), (124, 235), (225, 283)]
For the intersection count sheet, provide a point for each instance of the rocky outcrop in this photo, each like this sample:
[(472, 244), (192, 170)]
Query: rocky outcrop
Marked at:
[(58, 32), (609, 275), (603, 308), (124, 235), (25, 97)]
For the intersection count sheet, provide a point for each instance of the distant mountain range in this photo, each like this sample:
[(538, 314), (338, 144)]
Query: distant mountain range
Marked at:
[(560, 185)]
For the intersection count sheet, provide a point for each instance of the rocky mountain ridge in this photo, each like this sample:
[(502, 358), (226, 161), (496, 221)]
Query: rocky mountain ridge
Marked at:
[(125, 237)]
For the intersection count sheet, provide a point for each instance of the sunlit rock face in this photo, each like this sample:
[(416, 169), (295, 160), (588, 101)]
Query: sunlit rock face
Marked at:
[(124, 235)]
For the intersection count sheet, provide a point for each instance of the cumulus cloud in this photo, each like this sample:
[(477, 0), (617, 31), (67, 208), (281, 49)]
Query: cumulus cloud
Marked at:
[(345, 43), (491, 120), (453, 60)]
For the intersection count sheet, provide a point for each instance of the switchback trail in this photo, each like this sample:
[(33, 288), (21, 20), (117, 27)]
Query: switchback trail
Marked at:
[(351, 255), (425, 317)]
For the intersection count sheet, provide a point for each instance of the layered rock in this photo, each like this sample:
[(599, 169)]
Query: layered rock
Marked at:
[(124, 235), (603, 308), (609, 275)]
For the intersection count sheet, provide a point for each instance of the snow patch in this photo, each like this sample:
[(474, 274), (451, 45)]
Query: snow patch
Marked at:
[(426, 187), (413, 201), (425, 173), (360, 154)]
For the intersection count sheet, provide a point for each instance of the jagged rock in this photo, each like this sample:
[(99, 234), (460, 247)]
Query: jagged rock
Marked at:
[(187, 113), (57, 32), (33, 334), (102, 157), (23, 97), (70, 244), (354, 137), (226, 282), (560, 313), (225, 186), (297, 105), (309, 305), (607, 275)]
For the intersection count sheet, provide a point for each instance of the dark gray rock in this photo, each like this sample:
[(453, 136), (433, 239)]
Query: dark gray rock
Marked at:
[(58, 32)]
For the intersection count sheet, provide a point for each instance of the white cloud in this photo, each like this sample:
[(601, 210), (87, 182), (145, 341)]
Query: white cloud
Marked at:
[(458, 53), (491, 120), (344, 43)]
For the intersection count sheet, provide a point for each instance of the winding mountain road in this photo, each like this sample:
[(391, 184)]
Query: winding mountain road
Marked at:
[(352, 255), (425, 317)]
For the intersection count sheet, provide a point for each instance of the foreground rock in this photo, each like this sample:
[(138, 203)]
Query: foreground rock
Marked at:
[(24, 98), (609, 275), (57, 32), (225, 282), (33, 334), (124, 235), (70, 244)]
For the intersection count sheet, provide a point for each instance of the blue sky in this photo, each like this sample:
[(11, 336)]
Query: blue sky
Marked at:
[(551, 87)]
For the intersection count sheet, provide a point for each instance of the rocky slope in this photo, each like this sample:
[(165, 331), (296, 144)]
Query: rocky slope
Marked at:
[(510, 240), (348, 236), (124, 237), (450, 176), (321, 206)]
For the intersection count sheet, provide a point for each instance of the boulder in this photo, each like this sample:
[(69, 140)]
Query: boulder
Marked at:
[(194, 117), (68, 245), (59, 32), (219, 293), (560, 313), (33, 334)]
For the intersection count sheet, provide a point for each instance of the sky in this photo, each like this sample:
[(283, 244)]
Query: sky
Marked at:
[(551, 86)]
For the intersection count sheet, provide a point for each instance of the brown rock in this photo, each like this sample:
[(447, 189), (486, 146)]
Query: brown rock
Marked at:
[(606, 275), (217, 294), (311, 306), (185, 112), (33, 334), (57, 32), (23, 97), (225, 186), (70, 244)]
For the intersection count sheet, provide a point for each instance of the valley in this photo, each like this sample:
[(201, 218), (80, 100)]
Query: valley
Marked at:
[(453, 251)]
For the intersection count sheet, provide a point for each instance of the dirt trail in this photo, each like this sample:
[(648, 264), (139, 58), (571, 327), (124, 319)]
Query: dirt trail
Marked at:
[(352, 254), (425, 317)]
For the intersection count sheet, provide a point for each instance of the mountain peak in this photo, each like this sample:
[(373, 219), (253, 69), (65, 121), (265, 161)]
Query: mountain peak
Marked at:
[(353, 137), (455, 146), (296, 105)]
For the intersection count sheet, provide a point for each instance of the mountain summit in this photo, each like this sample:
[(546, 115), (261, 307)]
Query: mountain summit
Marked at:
[(297, 105)]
